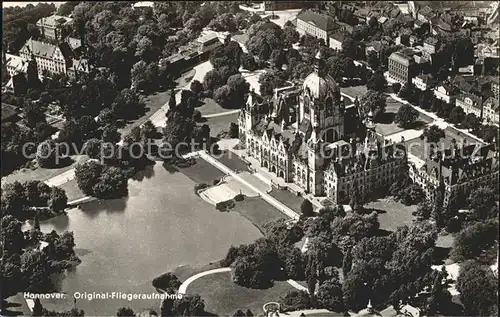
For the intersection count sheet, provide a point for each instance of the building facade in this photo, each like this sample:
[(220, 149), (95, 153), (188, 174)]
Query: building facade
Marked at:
[(318, 25), (470, 103), (445, 92), (457, 171), (300, 136), (56, 59), (491, 110), (402, 66), (55, 27), (423, 82)]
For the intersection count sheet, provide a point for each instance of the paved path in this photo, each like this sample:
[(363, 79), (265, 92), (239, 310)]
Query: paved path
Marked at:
[(213, 115), (183, 288), (62, 178), (158, 118), (185, 284), (277, 204)]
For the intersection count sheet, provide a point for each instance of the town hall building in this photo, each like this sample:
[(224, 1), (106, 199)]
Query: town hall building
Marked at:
[(301, 136)]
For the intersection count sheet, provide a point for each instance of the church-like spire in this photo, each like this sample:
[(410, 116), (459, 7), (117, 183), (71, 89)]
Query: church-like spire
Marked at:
[(319, 64)]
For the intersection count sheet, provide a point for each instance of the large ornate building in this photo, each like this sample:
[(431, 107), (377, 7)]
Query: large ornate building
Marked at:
[(301, 136), (459, 169)]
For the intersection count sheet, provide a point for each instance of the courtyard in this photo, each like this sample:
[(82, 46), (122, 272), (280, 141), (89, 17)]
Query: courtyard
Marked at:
[(417, 147)]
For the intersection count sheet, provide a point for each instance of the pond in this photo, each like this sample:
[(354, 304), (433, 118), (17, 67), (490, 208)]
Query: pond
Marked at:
[(125, 243)]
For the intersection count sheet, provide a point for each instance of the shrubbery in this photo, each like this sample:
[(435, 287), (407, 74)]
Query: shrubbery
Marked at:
[(224, 205), (167, 282)]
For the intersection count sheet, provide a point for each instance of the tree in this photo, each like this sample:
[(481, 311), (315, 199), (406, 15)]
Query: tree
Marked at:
[(248, 62), (377, 81), (471, 121), (472, 240), (13, 198), (457, 115), (196, 87), (425, 99), (46, 153), (12, 236), (396, 87), (167, 282), (306, 208), (149, 130), (375, 102), (481, 201), (433, 134), (125, 312), (36, 268), (189, 305), (424, 210), (373, 60), (32, 114), (171, 102), (87, 176), (406, 116), (295, 300), (57, 200), (233, 130), (212, 80), (330, 295), (478, 289)]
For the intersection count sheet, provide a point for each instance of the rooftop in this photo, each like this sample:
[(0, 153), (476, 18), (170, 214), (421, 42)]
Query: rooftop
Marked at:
[(324, 22), (54, 20)]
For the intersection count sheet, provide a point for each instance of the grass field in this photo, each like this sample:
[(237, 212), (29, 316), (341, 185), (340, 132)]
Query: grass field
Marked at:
[(417, 148), (153, 103), (72, 190), (218, 124), (211, 107), (202, 172), (232, 161), (288, 198), (392, 214), (388, 127), (224, 297), (40, 173), (258, 211)]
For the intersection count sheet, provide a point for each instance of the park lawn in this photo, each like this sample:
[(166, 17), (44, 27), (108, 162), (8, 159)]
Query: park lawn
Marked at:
[(221, 123), (390, 127), (288, 198), (41, 173), (210, 106), (202, 172), (354, 91), (223, 297), (258, 211), (391, 214), (186, 271), (232, 161), (72, 190), (153, 103)]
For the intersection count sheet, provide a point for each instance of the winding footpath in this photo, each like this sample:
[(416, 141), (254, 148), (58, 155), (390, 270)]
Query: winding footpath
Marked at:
[(183, 288)]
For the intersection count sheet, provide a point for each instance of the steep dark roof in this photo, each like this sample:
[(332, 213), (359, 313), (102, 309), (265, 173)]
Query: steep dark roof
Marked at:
[(9, 112), (324, 22)]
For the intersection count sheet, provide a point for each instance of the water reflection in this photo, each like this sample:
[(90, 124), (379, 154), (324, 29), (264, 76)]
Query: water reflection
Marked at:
[(125, 243)]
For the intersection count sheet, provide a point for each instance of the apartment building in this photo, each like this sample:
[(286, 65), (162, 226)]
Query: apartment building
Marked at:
[(318, 25), (402, 66)]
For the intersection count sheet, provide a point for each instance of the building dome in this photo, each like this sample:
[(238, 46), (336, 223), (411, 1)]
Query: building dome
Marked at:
[(319, 84)]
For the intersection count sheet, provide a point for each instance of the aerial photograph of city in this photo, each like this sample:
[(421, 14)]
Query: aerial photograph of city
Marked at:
[(239, 158)]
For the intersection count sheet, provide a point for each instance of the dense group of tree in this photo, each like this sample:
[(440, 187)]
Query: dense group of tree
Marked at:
[(23, 200), (448, 111), (19, 24), (27, 267)]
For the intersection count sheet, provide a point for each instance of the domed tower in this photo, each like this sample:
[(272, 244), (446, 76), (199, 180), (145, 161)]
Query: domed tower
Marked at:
[(321, 103)]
